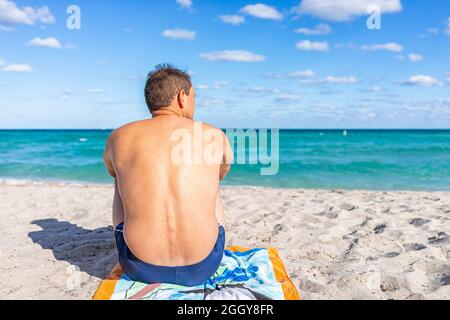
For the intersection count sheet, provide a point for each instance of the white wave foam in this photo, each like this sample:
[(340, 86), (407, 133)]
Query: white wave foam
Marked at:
[(27, 182)]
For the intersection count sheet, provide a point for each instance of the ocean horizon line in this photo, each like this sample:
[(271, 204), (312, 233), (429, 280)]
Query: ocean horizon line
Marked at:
[(249, 128)]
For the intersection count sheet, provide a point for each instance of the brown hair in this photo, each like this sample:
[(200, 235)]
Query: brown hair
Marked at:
[(163, 84)]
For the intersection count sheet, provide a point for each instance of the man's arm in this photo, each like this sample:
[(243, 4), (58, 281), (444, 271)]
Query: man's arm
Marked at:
[(227, 160), (107, 159), (118, 210)]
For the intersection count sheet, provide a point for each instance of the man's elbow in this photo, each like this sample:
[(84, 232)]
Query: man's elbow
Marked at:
[(224, 172), (112, 173)]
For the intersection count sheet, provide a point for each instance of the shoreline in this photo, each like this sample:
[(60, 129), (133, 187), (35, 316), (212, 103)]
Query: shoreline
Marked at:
[(87, 184), (58, 243)]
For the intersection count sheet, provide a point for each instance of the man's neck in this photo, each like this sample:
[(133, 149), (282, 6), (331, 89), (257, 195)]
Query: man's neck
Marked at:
[(168, 112)]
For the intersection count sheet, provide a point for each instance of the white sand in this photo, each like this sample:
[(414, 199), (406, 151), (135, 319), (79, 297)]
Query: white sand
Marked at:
[(335, 245)]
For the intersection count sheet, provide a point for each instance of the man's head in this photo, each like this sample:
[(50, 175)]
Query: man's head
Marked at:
[(170, 88)]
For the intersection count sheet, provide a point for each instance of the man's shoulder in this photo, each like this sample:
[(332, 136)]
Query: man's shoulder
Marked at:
[(207, 126), (127, 129)]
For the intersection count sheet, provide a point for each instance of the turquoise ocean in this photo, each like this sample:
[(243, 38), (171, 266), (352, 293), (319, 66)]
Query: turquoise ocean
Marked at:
[(322, 159)]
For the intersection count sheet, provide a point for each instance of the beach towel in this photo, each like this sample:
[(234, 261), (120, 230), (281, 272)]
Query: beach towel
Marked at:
[(244, 274)]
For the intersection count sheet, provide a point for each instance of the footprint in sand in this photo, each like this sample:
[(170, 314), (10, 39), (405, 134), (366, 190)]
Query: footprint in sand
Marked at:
[(418, 222), (379, 229), (441, 238), (278, 228), (389, 283), (445, 280), (348, 207), (414, 247), (392, 254)]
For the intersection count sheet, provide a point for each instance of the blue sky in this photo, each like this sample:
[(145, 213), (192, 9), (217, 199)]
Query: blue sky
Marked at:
[(277, 64)]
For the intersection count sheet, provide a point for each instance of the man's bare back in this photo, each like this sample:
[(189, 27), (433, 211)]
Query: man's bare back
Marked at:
[(170, 211)]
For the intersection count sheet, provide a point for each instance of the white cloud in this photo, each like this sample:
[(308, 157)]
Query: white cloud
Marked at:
[(344, 10), (414, 57), (302, 74), (320, 29), (275, 75), (429, 32), (232, 19), (50, 42), (17, 68), (422, 81), (447, 26), (333, 80), (185, 3), (287, 98), (390, 46), (313, 45), (202, 87), (95, 91), (208, 102), (256, 90), (10, 14), (179, 34), (347, 45), (14, 68), (374, 89), (232, 55), (340, 80), (66, 94), (217, 85), (262, 11)]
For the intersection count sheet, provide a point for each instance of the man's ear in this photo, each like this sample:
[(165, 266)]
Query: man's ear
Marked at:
[(182, 99)]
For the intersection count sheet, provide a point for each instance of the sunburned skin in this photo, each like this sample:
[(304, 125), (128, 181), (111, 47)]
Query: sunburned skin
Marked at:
[(170, 211)]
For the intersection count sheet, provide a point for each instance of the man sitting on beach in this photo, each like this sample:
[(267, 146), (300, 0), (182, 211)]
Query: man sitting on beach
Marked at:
[(168, 216)]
